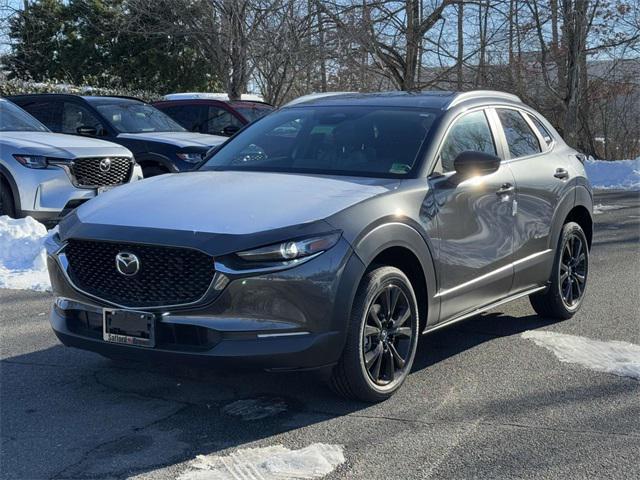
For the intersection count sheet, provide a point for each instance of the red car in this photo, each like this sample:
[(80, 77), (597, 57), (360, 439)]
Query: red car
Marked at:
[(214, 115)]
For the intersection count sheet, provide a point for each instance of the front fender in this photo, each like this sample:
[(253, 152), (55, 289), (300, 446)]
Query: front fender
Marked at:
[(396, 234)]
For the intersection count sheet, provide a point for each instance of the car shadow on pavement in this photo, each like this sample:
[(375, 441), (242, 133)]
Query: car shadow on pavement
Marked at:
[(121, 419), (472, 332)]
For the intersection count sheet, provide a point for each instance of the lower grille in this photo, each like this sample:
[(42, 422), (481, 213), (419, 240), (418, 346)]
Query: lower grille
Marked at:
[(166, 276), (101, 171)]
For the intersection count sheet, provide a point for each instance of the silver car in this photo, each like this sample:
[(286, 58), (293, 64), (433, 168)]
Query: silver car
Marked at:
[(45, 175)]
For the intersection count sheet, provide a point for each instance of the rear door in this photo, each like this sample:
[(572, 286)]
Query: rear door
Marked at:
[(540, 182), (475, 223)]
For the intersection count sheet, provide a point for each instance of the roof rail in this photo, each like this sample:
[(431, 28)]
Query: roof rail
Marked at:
[(313, 96), (245, 97), (463, 96)]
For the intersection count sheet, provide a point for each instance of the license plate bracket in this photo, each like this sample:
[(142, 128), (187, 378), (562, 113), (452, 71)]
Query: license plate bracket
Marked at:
[(129, 327), (104, 189)]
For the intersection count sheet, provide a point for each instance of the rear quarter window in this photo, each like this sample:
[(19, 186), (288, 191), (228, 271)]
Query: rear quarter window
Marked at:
[(521, 140), (544, 133)]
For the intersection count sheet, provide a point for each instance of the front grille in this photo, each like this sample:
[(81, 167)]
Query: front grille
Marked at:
[(167, 275), (101, 171)]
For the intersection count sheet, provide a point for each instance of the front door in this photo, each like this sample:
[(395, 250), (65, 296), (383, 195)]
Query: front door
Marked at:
[(475, 222)]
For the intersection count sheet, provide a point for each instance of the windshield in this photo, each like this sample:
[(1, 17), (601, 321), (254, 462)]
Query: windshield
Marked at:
[(135, 117), (355, 140), (253, 113), (14, 119)]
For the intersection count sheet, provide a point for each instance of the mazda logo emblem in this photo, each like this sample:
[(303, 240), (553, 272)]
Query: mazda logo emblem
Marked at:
[(127, 263), (105, 165)]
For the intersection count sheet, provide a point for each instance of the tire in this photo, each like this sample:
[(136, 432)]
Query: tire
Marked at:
[(568, 281), (7, 207), (152, 171), (390, 346)]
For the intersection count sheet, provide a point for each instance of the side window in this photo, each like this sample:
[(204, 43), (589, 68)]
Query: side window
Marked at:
[(520, 138), (218, 120), (189, 116), (48, 112), (469, 133), (75, 116), (544, 133)]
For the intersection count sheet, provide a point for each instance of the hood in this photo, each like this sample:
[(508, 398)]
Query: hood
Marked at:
[(58, 145), (178, 139), (229, 202)]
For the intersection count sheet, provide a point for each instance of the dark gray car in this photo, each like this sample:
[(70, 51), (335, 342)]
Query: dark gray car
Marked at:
[(331, 234)]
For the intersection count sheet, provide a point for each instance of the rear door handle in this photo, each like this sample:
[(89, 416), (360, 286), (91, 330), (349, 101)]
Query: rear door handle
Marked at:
[(561, 173), (505, 189)]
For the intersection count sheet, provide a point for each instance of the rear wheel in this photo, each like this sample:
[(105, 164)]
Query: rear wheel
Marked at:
[(7, 206), (382, 337), (569, 277)]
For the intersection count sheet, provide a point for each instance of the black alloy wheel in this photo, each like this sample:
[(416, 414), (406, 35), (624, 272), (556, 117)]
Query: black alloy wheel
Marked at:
[(382, 337), (573, 270), (566, 287), (387, 335)]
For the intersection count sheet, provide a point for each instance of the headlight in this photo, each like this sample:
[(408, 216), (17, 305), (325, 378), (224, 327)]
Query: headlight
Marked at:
[(191, 157), (32, 161), (293, 250)]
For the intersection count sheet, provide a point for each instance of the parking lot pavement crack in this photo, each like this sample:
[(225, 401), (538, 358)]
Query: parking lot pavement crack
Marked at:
[(89, 453), (494, 425), (560, 430)]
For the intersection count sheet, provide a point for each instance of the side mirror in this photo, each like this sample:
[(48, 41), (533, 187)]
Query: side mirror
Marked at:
[(476, 163), (87, 130), (230, 130)]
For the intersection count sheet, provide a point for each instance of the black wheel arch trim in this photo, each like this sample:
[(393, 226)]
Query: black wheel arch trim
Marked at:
[(156, 158), (397, 234), (578, 196), (15, 193)]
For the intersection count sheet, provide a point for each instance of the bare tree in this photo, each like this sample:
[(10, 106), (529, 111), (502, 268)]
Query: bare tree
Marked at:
[(391, 31)]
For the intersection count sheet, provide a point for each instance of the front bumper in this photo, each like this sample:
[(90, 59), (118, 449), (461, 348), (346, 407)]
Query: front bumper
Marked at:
[(48, 194), (288, 319), (235, 349)]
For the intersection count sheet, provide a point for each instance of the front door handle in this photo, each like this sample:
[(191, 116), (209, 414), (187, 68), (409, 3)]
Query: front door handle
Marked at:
[(505, 189), (561, 173)]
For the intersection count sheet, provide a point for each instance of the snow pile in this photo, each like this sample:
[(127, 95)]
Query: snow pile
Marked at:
[(256, 408), (619, 358), (23, 262), (600, 208), (619, 174), (268, 463)]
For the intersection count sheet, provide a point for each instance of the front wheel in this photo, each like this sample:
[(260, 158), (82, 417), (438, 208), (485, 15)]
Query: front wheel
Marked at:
[(569, 277), (7, 206), (381, 339)]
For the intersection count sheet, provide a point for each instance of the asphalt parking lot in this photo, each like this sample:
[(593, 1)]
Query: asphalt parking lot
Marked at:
[(482, 402)]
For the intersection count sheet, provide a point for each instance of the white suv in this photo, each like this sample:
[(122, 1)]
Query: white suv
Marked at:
[(45, 175)]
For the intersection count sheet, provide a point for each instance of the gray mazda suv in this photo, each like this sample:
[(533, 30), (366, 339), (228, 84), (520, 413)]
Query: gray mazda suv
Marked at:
[(330, 235)]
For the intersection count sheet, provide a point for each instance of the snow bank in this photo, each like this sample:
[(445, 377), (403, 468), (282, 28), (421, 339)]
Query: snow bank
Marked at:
[(22, 256), (619, 174), (600, 208), (619, 358), (268, 463)]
